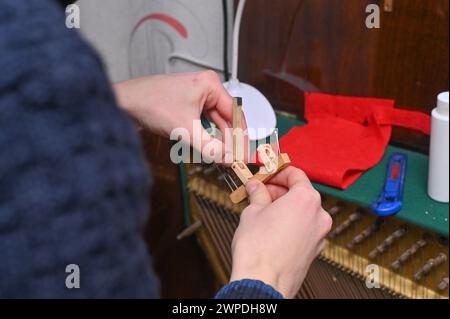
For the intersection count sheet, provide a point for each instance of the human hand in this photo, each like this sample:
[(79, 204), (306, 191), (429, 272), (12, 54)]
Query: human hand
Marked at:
[(162, 103), (280, 233)]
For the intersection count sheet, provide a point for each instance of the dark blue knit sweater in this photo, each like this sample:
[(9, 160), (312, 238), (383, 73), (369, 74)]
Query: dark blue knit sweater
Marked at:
[(73, 181)]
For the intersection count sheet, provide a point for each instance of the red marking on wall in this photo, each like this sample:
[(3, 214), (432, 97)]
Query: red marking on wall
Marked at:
[(166, 19)]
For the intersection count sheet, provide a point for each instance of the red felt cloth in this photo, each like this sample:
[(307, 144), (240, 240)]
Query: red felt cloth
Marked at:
[(345, 136)]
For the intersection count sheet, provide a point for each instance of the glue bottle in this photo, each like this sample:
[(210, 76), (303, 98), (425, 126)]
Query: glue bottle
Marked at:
[(438, 179)]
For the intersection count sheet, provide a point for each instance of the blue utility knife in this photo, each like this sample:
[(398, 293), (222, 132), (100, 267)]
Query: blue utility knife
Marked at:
[(389, 202)]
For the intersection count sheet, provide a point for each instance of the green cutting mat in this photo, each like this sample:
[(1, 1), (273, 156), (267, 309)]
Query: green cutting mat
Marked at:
[(418, 207)]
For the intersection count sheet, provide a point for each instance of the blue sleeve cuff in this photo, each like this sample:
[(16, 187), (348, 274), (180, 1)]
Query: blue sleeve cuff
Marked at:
[(248, 289)]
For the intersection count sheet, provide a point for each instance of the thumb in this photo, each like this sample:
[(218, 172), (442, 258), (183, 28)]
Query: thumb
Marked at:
[(258, 193)]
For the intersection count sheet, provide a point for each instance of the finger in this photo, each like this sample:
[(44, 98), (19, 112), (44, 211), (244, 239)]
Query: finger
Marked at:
[(276, 191), (218, 98), (220, 122), (326, 222), (290, 177), (258, 193), (320, 247)]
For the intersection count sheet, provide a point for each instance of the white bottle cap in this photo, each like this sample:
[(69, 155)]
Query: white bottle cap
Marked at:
[(442, 104)]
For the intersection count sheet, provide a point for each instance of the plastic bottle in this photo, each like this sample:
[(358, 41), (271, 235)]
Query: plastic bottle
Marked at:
[(438, 179)]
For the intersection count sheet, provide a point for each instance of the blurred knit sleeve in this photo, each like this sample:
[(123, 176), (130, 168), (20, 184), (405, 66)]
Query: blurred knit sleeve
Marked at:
[(248, 289)]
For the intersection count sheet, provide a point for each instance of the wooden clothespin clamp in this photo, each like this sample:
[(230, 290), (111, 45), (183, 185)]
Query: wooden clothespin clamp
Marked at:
[(273, 163)]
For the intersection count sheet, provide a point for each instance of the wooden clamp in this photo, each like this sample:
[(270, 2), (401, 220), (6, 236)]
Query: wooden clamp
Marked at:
[(238, 130), (272, 163), (268, 157), (240, 194), (242, 171)]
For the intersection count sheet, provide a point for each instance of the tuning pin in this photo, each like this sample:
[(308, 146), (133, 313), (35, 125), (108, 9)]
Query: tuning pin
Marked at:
[(431, 264), (443, 284), (410, 252), (190, 230), (388, 242), (369, 231), (333, 211), (346, 224)]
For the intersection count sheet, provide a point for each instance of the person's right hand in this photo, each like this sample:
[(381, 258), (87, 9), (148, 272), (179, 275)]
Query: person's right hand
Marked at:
[(280, 233)]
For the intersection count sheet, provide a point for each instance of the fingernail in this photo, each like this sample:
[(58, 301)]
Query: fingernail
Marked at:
[(251, 188)]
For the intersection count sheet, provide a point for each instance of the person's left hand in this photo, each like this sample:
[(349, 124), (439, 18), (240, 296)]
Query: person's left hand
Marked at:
[(162, 103)]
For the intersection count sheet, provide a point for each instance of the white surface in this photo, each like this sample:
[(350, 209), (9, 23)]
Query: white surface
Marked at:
[(438, 172), (107, 28), (259, 114), (155, 47)]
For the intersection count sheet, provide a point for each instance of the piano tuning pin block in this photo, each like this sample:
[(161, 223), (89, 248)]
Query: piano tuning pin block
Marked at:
[(430, 265)]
